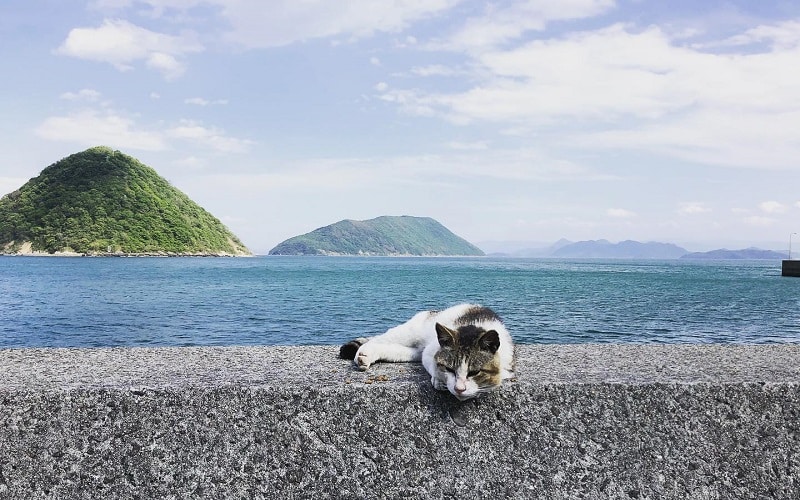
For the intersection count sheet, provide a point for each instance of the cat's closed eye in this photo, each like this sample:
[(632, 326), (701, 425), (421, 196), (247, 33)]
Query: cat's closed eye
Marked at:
[(472, 373)]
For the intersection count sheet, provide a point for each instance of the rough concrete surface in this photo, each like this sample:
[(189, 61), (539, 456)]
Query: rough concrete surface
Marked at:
[(581, 421)]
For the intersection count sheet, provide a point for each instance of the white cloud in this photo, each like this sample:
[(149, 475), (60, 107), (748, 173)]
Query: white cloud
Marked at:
[(382, 86), (90, 95), (157, 8), (91, 128), (254, 24), (447, 170), (468, 146), (620, 213), (408, 41), (435, 70), (199, 101), (122, 44), (633, 89), (772, 207), (742, 138), (759, 221), (109, 4), (783, 35), (692, 208), (374, 61), (501, 24), (600, 75), (289, 21), (212, 137), (409, 101), (167, 64)]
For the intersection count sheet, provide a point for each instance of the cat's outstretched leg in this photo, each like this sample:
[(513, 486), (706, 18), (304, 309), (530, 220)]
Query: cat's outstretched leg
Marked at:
[(372, 352), (364, 353), (401, 343)]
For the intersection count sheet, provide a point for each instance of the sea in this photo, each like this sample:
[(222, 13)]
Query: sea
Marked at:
[(211, 301)]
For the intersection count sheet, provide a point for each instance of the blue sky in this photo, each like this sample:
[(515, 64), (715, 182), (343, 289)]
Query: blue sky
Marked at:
[(508, 121)]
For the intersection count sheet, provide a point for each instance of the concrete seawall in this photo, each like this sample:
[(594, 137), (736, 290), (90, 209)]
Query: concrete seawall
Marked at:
[(583, 421)]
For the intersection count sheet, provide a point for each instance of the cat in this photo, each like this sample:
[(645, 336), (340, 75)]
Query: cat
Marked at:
[(466, 349)]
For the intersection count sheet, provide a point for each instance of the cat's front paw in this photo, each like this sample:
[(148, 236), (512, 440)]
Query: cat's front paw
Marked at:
[(439, 385), (363, 359)]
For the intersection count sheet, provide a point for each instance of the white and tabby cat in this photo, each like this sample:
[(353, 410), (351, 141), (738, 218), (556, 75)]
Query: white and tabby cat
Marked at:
[(466, 349)]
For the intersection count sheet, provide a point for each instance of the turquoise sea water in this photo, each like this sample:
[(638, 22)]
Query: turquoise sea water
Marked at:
[(86, 302)]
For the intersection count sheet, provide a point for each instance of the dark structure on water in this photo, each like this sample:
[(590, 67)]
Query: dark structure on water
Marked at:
[(790, 267)]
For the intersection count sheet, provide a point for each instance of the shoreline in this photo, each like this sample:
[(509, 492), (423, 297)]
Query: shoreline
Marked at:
[(123, 255), (25, 249)]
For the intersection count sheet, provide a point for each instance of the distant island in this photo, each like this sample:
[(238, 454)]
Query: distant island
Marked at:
[(747, 253), (104, 202), (382, 236), (604, 249)]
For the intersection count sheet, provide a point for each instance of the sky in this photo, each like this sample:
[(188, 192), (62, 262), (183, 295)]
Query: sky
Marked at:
[(519, 122)]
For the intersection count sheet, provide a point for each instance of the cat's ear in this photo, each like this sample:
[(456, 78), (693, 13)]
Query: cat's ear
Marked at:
[(446, 336), (490, 341)]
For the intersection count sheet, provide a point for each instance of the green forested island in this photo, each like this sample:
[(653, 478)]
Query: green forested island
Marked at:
[(387, 235), (102, 201)]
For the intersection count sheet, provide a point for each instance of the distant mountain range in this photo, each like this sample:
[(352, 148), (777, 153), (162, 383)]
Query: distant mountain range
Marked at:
[(604, 249), (387, 235)]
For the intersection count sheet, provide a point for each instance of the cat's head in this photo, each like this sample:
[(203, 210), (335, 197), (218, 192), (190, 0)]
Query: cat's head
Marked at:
[(467, 360)]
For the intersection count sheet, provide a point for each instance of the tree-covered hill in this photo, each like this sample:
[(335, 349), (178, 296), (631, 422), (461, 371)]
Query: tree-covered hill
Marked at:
[(103, 201), (386, 235)]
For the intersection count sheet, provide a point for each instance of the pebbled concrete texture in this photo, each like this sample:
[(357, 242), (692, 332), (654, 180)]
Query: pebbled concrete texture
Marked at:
[(581, 421)]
